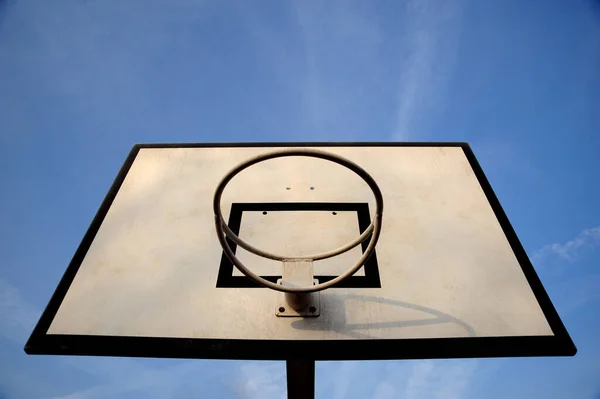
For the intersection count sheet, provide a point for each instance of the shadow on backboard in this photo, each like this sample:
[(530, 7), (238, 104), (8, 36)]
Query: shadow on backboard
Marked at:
[(357, 330)]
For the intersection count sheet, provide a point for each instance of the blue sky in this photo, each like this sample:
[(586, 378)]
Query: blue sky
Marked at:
[(82, 80)]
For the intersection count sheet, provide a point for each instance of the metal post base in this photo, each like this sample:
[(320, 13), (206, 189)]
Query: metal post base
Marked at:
[(300, 378), (298, 305)]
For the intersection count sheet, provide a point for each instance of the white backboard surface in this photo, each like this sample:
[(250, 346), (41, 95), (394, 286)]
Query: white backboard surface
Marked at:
[(446, 266)]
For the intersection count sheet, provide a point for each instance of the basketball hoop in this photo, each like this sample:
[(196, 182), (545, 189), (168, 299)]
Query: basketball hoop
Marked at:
[(373, 230)]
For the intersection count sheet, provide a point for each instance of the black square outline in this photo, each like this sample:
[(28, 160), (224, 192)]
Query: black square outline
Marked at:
[(557, 344), (226, 279)]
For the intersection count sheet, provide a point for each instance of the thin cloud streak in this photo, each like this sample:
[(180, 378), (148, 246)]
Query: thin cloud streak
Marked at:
[(129, 376), (570, 250), (344, 376), (183, 379), (440, 379), (266, 381), (432, 33), (18, 317), (330, 34), (385, 390)]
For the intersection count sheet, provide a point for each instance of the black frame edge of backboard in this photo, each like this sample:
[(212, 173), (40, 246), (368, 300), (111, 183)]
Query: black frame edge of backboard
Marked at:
[(39, 334), (552, 317), (559, 344)]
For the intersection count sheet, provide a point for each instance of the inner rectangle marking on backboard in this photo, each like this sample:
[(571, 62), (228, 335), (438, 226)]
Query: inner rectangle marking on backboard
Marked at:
[(274, 224)]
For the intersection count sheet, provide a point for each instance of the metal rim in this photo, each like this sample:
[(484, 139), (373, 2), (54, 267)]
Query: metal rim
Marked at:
[(373, 230)]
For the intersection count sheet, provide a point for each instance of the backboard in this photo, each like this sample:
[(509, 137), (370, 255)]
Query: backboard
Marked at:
[(448, 276)]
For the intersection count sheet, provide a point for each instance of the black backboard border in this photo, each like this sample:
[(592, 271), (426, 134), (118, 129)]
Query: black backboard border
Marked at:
[(558, 344)]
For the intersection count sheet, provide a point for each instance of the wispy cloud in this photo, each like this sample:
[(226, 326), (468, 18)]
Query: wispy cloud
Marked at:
[(418, 378), (262, 380), (340, 45), (432, 31), (18, 317), (114, 376), (351, 63), (571, 288), (122, 376), (440, 379), (572, 249), (183, 379), (448, 379), (385, 390)]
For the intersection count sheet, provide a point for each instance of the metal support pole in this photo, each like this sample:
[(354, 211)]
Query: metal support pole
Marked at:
[(300, 378)]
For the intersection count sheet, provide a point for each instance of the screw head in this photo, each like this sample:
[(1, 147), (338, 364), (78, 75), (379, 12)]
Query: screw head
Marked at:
[(264, 212), (281, 309)]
